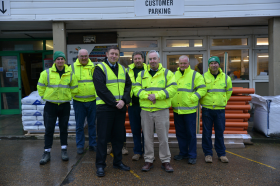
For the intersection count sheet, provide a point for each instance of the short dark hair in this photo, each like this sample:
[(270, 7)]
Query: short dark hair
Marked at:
[(138, 53), (115, 47)]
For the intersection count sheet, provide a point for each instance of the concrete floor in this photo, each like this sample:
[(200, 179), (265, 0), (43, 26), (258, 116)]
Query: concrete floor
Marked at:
[(256, 164)]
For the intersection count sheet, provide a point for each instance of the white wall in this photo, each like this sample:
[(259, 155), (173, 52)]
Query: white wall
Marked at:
[(61, 10)]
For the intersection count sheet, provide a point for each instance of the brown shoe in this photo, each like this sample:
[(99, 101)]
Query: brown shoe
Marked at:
[(167, 167), (147, 166)]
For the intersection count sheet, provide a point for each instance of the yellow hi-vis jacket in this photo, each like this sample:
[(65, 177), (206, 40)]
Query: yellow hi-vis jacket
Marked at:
[(57, 90), (162, 84), (114, 84), (132, 78), (191, 88), (84, 76), (219, 90)]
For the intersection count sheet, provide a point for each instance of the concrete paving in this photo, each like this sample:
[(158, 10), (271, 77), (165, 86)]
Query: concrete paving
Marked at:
[(256, 164)]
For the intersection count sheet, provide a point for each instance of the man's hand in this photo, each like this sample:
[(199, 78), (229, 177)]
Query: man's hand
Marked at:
[(152, 98), (120, 104)]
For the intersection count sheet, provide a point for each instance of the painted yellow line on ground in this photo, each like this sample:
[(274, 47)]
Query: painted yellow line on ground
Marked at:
[(131, 171), (250, 160)]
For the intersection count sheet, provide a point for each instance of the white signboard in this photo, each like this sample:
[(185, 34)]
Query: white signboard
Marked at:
[(5, 8), (159, 7), (97, 52)]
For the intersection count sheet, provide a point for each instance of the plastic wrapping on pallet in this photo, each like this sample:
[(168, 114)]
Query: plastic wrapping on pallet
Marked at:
[(32, 113), (72, 118), (266, 114), (32, 99), (40, 118), (72, 113), (40, 107), (29, 118), (28, 107), (32, 123), (26, 128), (72, 107), (70, 123)]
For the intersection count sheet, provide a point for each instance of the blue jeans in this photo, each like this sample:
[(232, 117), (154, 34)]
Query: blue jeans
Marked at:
[(185, 125), (217, 117), (135, 124), (83, 110)]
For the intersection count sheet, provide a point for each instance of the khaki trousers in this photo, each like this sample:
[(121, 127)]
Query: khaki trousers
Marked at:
[(161, 120)]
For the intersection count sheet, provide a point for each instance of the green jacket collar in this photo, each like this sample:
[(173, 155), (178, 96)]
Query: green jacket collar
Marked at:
[(159, 67), (66, 67), (88, 64), (132, 66)]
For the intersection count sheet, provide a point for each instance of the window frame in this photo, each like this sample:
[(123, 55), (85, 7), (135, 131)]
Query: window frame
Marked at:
[(230, 47), (139, 39), (176, 49), (259, 47), (255, 61)]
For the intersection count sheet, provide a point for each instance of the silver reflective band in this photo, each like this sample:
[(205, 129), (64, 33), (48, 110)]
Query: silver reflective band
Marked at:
[(165, 75), (73, 68), (139, 92), (58, 101), (85, 96), (41, 84), (226, 80), (193, 79), (171, 84), (230, 89), (212, 105), (58, 86), (184, 90), (166, 93), (72, 87), (217, 90), (85, 81), (155, 107), (116, 97), (200, 86), (184, 108), (197, 94), (154, 89), (136, 84), (115, 81)]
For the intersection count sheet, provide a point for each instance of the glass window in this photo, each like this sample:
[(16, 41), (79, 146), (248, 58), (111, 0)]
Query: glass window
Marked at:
[(126, 58), (49, 44), (244, 85), (9, 71), (237, 62), (262, 64), (20, 45), (9, 100), (139, 44), (229, 42), (183, 43), (262, 41), (194, 59)]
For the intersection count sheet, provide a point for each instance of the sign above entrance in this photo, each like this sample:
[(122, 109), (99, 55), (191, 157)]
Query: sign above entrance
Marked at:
[(159, 7), (5, 8)]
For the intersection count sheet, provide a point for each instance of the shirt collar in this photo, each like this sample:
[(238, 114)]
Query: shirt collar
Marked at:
[(111, 65)]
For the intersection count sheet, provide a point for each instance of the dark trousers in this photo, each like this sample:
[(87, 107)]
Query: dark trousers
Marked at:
[(185, 125), (83, 110), (134, 112), (217, 117), (110, 128), (53, 111)]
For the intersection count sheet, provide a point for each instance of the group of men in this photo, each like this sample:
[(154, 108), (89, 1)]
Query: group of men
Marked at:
[(106, 90)]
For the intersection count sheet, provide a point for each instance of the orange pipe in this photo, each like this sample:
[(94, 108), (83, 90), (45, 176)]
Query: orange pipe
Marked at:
[(238, 107), (235, 116), (236, 103), (234, 124), (234, 111), (231, 129), (229, 132), (243, 90), (234, 120), (240, 98)]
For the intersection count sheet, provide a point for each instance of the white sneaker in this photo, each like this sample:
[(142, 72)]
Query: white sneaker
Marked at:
[(136, 157), (223, 159), (208, 159)]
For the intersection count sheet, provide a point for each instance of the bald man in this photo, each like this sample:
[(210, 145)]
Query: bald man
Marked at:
[(85, 101)]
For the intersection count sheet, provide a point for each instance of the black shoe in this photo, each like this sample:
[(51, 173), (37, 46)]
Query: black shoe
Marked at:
[(180, 157), (192, 161), (45, 158), (92, 148), (121, 166), (100, 172), (64, 155), (80, 150)]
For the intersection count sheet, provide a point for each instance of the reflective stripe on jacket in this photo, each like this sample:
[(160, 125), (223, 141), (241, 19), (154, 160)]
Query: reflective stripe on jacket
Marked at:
[(114, 84), (84, 76), (219, 90), (191, 88), (131, 75), (162, 84), (54, 89)]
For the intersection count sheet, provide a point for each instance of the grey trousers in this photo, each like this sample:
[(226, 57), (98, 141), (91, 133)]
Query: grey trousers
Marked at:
[(161, 121)]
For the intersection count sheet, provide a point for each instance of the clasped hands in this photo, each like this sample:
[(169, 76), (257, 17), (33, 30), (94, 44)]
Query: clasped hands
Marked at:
[(152, 98)]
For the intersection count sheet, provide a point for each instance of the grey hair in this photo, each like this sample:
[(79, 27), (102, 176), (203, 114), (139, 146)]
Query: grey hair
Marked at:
[(153, 51), (82, 49), (184, 56)]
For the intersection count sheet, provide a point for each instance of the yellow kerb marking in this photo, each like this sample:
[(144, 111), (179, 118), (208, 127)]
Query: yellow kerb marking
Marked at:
[(250, 160), (131, 171)]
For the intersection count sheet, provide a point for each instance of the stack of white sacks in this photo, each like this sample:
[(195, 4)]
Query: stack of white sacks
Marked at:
[(32, 114)]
